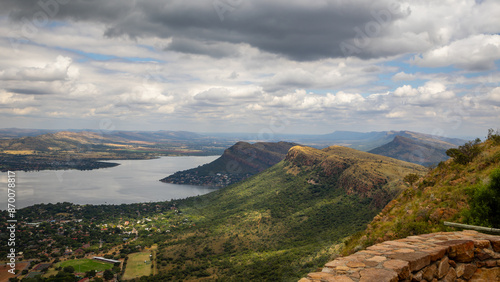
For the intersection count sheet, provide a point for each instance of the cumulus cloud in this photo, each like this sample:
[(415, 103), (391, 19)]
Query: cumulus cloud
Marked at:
[(430, 93), (475, 53), (59, 70), (494, 96), (402, 76), (363, 63)]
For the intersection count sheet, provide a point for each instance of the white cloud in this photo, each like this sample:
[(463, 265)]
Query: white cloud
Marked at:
[(237, 74), (402, 76), (493, 96), (477, 52), (50, 72), (7, 98)]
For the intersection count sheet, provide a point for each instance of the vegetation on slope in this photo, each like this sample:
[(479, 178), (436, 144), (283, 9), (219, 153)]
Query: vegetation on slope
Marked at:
[(283, 222), (275, 226), (464, 189)]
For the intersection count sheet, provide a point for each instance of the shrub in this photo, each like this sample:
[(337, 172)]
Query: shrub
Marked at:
[(466, 153), (494, 136), (69, 269), (411, 178), (485, 202)]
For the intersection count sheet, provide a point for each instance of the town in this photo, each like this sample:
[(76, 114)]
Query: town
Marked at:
[(65, 240)]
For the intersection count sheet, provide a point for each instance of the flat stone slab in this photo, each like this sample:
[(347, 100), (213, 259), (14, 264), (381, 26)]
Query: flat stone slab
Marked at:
[(417, 260), (444, 256), (378, 274)]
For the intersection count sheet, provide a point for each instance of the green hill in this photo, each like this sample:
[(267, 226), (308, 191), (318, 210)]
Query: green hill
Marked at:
[(464, 189), (283, 222), (238, 162)]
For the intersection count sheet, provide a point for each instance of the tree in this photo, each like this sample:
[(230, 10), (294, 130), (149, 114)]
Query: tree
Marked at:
[(108, 274), (411, 178), (69, 269), (90, 273)]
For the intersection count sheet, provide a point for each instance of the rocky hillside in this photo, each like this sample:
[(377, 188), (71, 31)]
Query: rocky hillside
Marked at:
[(364, 174), (425, 152), (464, 189), (238, 162), (285, 221)]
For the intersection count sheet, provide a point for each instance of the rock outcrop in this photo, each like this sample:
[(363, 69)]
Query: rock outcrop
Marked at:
[(444, 256)]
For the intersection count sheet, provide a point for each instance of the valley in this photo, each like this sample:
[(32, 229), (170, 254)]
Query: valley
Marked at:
[(280, 223)]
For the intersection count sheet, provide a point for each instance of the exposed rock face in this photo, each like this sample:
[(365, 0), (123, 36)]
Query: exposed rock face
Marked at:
[(443, 256)]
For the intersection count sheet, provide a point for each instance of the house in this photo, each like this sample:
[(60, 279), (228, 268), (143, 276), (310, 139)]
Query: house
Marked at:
[(79, 252), (42, 266)]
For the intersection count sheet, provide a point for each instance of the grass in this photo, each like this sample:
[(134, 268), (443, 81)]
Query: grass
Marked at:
[(154, 249), (136, 266), (84, 265), (19, 152)]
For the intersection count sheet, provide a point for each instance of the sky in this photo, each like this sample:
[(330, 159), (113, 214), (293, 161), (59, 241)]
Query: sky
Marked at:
[(281, 66)]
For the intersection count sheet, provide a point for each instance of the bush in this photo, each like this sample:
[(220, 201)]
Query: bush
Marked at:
[(69, 269), (466, 153), (411, 178), (485, 202), (494, 136)]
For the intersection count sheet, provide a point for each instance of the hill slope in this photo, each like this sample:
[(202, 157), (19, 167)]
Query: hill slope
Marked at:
[(425, 152), (282, 223), (236, 163), (456, 191)]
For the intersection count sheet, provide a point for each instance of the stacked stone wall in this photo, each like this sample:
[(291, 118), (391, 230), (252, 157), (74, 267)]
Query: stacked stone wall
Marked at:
[(445, 256)]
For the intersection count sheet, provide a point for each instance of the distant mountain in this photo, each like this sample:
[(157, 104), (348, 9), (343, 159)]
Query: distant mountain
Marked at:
[(285, 221), (155, 136), (10, 133), (366, 141), (63, 140), (236, 163), (424, 152), (151, 136)]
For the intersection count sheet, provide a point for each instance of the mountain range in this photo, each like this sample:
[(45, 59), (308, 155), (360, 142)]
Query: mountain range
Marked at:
[(243, 159)]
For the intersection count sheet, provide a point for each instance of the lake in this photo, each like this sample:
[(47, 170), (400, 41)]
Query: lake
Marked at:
[(133, 181)]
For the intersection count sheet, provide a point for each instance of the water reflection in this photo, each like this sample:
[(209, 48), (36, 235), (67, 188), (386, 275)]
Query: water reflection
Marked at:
[(132, 181)]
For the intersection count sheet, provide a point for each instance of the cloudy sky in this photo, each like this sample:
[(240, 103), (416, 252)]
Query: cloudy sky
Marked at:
[(281, 66)]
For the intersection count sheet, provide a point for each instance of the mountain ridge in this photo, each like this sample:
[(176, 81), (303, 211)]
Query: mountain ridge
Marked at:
[(238, 162), (424, 152)]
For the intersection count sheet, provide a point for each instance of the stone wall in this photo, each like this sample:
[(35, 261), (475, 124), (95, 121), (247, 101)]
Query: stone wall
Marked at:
[(445, 256)]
